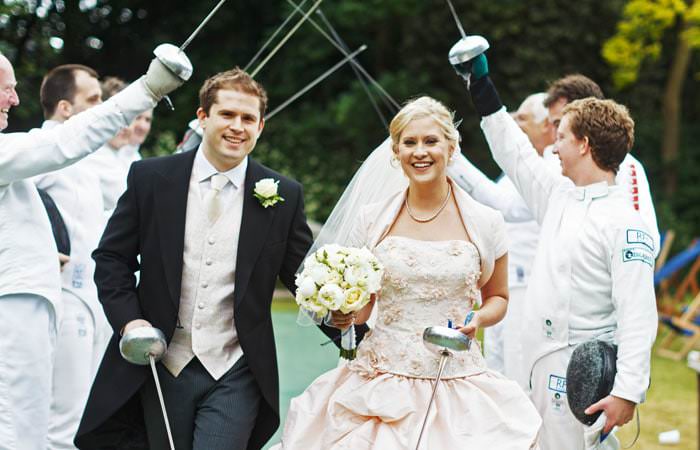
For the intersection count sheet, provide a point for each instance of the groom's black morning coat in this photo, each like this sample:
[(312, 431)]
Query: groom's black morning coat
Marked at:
[(149, 221)]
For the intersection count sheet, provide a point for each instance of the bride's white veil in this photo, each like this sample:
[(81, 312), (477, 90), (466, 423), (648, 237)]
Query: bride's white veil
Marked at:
[(376, 179)]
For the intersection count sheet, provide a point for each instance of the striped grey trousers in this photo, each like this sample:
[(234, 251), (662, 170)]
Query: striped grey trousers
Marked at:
[(205, 414)]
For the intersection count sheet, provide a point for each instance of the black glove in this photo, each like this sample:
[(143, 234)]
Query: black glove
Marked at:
[(475, 74)]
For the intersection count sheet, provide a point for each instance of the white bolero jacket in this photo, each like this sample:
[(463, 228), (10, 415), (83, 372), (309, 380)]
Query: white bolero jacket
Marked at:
[(485, 226)]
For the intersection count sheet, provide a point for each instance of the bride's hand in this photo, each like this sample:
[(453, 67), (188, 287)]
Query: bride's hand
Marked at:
[(472, 327), (340, 320)]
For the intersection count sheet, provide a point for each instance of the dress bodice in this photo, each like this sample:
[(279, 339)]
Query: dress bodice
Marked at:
[(425, 283)]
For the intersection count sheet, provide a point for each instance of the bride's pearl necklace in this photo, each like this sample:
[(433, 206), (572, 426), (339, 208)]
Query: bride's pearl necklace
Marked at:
[(435, 214)]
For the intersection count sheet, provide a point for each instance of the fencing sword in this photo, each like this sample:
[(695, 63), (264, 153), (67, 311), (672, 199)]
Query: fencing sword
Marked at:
[(443, 341), (322, 77), (466, 49), (271, 38), (456, 18), (201, 25), (145, 346), (286, 37), (174, 58), (357, 73), (354, 63)]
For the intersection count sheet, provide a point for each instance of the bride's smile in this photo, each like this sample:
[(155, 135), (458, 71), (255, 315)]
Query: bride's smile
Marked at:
[(423, 151)]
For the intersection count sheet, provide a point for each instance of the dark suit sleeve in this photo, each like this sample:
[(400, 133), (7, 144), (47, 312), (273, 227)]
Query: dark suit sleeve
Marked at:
[(298, 244), (116, 260)]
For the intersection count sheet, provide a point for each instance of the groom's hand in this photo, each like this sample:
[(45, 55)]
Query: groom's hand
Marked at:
[(138, 323)]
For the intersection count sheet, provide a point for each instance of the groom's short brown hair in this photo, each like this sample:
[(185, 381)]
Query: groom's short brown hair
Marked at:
[(235, 79)]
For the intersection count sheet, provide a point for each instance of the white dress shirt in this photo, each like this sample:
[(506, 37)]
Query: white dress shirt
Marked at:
[(28, 255), (593, 272)]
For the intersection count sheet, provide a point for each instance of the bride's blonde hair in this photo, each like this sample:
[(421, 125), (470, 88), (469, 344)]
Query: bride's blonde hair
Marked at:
[(418, 109)]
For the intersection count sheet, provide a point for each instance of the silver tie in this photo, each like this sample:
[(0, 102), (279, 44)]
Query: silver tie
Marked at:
[(212, 201)]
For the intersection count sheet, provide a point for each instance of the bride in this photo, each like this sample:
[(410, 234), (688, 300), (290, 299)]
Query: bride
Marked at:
[(440, 249)]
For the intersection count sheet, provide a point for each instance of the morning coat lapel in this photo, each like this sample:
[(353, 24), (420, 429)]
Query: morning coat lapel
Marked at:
[(171, 188), (255, 226)]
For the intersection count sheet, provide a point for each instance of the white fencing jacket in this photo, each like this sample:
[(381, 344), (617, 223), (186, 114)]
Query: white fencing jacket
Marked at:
[(76, 192), (28, 255), (593, 271)]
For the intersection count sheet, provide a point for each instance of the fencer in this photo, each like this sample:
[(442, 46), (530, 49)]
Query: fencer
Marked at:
[(30, 283), (83, 332), (593, 272)]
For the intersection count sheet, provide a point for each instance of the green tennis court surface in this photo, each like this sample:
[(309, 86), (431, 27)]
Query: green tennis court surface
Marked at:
[(300, 356)]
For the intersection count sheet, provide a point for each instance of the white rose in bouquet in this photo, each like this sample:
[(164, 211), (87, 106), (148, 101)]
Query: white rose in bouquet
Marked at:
[(355, 299), (319, 273), (331, 296), (307, 287)]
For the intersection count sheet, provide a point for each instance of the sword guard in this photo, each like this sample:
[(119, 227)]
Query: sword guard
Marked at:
[(467, 49), (138, 345), (175, 60)]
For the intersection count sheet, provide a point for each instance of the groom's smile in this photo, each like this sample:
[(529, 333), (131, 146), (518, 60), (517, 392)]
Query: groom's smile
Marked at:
[(231, 128)]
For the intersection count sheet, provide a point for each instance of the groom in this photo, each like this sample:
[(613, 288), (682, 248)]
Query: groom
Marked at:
[(213, 229)]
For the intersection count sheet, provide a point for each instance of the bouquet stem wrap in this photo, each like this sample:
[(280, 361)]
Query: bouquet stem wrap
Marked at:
[(348, 343)]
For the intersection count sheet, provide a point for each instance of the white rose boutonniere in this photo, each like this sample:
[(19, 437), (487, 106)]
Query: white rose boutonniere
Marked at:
[(266, 191)]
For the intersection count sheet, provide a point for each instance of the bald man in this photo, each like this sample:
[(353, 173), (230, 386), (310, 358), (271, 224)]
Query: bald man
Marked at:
[(30, 284), (502, 348)]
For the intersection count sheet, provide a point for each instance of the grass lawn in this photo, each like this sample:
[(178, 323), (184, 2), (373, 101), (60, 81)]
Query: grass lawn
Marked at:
[(671, 404), (671, 400)]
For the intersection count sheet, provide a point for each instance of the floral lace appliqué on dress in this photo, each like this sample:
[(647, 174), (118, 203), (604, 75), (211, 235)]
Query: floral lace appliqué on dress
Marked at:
[(426, 283)]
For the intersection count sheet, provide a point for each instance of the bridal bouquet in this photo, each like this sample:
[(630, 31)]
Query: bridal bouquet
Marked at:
[(337, 278)]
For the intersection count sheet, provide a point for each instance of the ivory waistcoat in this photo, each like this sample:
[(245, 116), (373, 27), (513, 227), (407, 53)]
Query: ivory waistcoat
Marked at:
[(206, 326)]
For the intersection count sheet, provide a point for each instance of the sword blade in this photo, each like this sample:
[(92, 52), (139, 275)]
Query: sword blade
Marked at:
[(286, 38), (456, 18), (272, 38), (443, 362), (354, 63), (309, 86), (152, 362), (201, 25)]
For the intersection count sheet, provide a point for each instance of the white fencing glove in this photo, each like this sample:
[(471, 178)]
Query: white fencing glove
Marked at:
[(159, 80)]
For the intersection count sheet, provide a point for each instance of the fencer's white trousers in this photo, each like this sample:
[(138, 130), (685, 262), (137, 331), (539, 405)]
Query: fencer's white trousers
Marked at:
[(27, 345), (560, 429), (503, 343), (80, 345)]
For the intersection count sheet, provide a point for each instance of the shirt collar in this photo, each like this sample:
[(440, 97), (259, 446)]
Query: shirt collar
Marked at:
[(204, 170), (592, 191)]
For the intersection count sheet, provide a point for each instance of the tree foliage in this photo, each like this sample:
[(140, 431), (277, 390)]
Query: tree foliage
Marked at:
[(323, 137), (640, 34)]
